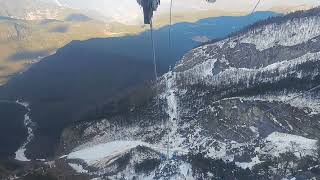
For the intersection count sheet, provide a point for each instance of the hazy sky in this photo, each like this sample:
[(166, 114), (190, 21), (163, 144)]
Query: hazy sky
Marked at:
[(128, 11)]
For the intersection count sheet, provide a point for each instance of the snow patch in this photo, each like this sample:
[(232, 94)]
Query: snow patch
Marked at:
[(78, 168), (219, 152), (250, 165), (277, 143), (107, 151), (186, 171)]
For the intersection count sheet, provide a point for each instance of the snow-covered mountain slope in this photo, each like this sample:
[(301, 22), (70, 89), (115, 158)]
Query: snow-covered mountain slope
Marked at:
[(243, 107)]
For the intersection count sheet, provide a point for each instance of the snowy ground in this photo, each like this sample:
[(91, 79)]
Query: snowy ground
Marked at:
[(105, 151), (313, 103), (277, 143), (78, 168)]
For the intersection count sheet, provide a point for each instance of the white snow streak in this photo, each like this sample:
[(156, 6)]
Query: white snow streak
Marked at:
[(175, 139), (20, 153), (171, 97)]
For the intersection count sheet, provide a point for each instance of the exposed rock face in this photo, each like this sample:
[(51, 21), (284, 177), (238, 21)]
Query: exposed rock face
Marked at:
[(229, 100)]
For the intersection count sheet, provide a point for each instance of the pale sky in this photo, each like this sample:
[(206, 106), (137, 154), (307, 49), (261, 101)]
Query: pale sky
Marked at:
[(128, 11)]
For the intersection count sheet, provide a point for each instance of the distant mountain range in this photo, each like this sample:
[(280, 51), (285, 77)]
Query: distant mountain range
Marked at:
[(128, 11), (33, 29), (30, 9), (118, 10)]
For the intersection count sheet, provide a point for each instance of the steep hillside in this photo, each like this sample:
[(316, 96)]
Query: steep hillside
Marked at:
[(246, 106), (86, 74)]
